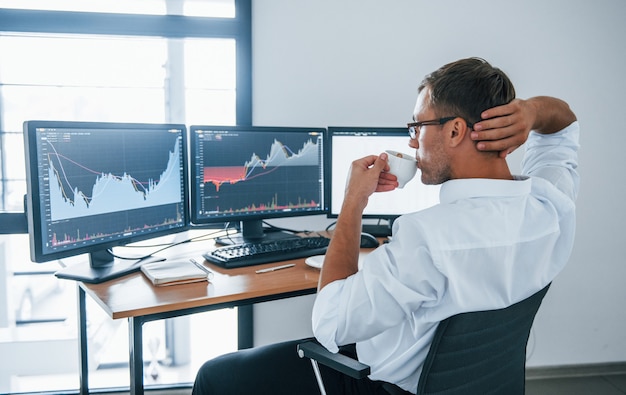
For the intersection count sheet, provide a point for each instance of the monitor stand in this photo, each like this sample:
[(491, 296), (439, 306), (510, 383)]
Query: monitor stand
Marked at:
[(253, 232), (379, 229), (103, 266)]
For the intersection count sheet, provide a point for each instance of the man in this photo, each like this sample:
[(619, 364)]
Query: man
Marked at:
[(493, 240)]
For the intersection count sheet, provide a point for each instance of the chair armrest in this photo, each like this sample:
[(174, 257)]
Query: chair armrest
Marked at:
[(339, 362)]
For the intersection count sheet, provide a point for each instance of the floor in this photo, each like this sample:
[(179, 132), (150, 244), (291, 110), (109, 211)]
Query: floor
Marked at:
[(614, 384), (590, 385)]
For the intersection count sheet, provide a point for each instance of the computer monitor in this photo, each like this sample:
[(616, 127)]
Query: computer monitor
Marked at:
[(93, 186), (345, 144), (247, 174)]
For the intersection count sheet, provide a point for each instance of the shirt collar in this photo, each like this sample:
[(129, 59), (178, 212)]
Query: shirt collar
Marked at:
[(467, 188)]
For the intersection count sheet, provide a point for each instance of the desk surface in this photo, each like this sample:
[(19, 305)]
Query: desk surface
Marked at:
[(134, 295)]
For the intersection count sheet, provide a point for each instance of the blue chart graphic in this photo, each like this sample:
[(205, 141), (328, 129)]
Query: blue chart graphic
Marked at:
[(111, 192), (282, 155)]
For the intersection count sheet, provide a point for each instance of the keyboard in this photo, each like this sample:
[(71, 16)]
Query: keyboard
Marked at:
[(256, 253)]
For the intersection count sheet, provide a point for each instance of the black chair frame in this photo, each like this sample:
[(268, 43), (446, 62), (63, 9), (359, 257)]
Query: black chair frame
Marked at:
[(482, 352)]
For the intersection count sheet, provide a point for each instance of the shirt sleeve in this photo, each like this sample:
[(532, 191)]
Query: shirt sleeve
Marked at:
[(396, 279), (554, 157)]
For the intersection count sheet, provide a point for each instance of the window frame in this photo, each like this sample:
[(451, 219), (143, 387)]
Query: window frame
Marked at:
[(167, 26)]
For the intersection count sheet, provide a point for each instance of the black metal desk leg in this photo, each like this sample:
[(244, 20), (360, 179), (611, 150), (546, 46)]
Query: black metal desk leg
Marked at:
[(245, 325), (83, 342), (135, 327)]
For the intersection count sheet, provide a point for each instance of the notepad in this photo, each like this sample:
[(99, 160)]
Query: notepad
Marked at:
[(177, 271)]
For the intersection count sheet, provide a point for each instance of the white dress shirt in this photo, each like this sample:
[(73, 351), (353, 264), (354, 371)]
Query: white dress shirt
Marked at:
[(488, 244)]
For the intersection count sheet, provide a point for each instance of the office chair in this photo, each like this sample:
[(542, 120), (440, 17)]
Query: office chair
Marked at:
[(481, 352)]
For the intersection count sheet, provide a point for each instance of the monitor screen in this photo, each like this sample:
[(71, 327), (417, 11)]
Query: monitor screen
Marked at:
[(346, 144), (93, 186), (249, 174)]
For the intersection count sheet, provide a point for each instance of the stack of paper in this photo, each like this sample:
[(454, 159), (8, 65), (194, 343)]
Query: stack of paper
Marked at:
[(178, 271)]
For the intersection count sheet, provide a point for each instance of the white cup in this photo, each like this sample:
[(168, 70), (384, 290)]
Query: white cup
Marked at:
[(401, 165)]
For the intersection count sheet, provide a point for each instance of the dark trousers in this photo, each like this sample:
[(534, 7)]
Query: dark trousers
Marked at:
[(275, 369)]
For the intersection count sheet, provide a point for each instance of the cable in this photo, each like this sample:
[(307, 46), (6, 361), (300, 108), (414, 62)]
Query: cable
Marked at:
[(226, 228), (306, 232), (170, 245), (330, 226), (278, 228)]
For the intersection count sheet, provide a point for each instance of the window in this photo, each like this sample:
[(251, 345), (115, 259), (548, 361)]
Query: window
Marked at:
[(179, 61), (203, 8), (168, 68)]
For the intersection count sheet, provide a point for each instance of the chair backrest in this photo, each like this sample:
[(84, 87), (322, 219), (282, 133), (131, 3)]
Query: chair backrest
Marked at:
[(481, 352)]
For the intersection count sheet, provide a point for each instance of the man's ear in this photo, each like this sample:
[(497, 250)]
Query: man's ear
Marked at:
[(458, 132)]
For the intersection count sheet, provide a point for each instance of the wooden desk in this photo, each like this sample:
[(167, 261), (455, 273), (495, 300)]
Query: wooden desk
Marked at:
[(135, 298)]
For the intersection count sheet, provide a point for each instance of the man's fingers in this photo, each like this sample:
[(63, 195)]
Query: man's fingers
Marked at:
[(493, 134)]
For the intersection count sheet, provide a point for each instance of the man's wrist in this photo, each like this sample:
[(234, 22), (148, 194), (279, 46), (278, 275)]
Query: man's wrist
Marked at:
[(551, 114), (353, 205)]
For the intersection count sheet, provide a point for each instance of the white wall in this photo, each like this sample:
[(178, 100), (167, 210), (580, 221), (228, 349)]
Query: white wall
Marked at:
[(358, 62)]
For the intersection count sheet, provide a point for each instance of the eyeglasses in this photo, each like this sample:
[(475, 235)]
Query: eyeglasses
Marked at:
[(414, 127)]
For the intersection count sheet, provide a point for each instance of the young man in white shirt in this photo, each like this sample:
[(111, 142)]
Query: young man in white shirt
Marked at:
[(493, 240)]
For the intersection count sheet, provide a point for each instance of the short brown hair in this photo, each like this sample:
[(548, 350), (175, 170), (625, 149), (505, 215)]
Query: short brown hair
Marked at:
[(466, 88)]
